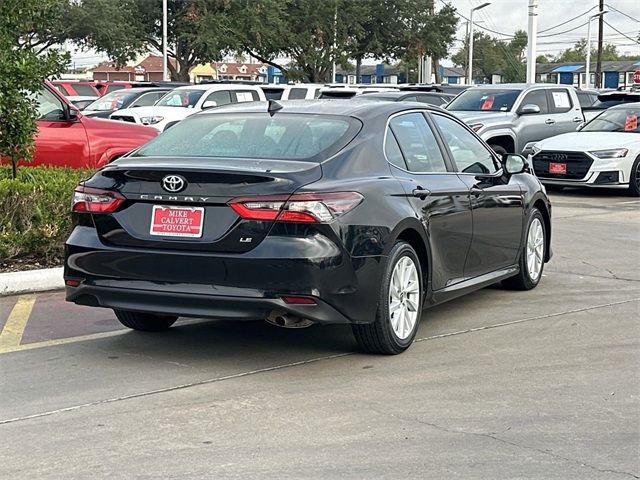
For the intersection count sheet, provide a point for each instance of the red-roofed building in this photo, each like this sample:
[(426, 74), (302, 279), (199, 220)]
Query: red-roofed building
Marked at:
[(149, 69), (241, 71)]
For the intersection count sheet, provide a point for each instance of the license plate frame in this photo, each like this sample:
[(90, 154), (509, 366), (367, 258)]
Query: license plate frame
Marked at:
[(179, 226), (557, 168)]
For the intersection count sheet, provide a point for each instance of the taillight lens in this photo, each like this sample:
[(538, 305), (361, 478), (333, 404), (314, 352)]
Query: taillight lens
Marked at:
[(95, 200), (299, 208)]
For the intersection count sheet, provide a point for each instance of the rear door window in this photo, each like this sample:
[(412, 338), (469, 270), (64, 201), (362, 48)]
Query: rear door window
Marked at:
[(417, 143), (297, 94), (392, 151), (246, 96), (148, 99), (560, 101)]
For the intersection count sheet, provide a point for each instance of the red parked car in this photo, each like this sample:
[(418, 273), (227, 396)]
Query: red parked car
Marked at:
[(66, 138), (74, 88)]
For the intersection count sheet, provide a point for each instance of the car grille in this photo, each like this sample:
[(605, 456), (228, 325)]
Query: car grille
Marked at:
[(123, 118), (578, 164)]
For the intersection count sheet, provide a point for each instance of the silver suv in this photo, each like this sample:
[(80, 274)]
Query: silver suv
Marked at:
[(512, 117)]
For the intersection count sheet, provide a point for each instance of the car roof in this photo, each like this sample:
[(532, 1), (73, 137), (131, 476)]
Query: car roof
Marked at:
[(352, 107), (406, 93), (143, 89), (218, 86), (518, 86)]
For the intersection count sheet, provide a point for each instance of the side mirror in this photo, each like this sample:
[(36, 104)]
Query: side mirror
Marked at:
[(529, 108), (209, 104), (514, 163), (69, 112)]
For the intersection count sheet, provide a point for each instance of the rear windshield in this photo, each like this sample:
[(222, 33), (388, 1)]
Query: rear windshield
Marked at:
[(254, 135), (337, 94), (85, 90), (479, 100)]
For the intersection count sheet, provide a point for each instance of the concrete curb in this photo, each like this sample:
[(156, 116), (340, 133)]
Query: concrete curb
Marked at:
[(29, 281)]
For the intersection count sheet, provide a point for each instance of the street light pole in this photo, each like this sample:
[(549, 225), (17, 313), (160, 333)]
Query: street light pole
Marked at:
[(588, 62), (470, 63), (164, 41), (532, 40)]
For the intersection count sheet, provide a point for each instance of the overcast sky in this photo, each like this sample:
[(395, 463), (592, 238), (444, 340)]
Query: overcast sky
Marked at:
[(507, 16)]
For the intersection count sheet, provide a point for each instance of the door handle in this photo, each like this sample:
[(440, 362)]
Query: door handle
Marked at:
[(577, 119), (549, 121), (420, 193), (477, 191)]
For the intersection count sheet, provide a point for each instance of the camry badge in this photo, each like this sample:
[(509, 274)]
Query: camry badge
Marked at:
[(174, 183)]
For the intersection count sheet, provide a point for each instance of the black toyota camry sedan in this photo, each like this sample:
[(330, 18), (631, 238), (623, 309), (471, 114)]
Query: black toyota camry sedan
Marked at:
[(306, 212)]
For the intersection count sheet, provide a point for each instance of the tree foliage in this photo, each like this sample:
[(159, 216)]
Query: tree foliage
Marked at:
[(23, 67), (578, 53), (492, 56)]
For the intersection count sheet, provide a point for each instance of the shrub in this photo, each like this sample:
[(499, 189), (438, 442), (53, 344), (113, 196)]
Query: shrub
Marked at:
[(35, 212)]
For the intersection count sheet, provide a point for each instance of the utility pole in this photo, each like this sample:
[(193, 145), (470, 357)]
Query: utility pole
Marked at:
[(470, 73), (164, 40), (599, 57), (532, 38)]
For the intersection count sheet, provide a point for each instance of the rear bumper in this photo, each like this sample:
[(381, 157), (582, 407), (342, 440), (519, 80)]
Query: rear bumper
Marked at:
[(133, 298), (232, 286)]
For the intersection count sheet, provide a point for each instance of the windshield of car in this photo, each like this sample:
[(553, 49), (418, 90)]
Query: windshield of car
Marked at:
[(484, 99), (85, 90), (112, 101), (615, 120), (181, 98), (253, 135)]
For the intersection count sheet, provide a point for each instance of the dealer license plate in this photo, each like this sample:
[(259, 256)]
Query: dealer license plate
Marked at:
[(558, 168), (177, 221)]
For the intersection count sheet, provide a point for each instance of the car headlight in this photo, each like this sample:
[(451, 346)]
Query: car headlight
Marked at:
[(152, 120), (476, 126), (611, 153)]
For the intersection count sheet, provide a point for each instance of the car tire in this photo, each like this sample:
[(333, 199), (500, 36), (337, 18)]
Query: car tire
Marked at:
[(499, 150), (532, 256), (394, 329), (634, 180), (145, 322)]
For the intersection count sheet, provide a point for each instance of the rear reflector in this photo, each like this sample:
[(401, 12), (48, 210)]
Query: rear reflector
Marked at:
[(72, 283), (298, 208), (294, 300), (95, 200)]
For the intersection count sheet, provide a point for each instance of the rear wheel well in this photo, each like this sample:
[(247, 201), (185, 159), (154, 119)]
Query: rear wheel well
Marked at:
[(414, 239), (505, 142), (539, 204)]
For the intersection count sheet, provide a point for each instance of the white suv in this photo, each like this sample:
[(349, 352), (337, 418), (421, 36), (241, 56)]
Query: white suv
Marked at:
[(184, 101), (298, 91)]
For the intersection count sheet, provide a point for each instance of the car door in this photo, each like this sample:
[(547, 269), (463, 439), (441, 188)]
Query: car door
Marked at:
[(439, 198), (533, 127), (497, 204), (59, 142), (563, 112)]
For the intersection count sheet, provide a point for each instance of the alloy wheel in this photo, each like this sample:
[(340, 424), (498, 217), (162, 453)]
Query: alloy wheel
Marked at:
[(404, 297), (535, 249)]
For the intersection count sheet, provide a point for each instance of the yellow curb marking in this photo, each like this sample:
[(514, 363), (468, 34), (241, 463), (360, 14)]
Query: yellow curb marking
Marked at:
[(11, 334)]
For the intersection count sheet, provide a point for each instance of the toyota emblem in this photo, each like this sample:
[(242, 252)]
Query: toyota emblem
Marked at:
[(174, 183)]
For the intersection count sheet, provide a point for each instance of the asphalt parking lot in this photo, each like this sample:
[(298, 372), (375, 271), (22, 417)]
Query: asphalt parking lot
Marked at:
[(499, 384)]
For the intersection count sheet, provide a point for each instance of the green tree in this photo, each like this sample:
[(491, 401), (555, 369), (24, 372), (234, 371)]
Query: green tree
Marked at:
[(578, 53), (23, 68), (198, 30)]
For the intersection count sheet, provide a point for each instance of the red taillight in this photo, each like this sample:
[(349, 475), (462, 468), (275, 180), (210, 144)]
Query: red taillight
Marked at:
[(296, 300), (95, 200), (299, 208)]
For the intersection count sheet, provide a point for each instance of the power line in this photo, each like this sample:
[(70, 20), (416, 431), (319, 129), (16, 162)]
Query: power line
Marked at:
[(622, 13), (626, 36), (568, 21), (561, 33)]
